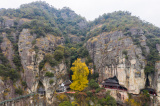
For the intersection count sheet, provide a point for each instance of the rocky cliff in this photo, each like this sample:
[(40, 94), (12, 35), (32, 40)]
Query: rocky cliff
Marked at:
[(30, 60), (27, 51), (38, 47), (115, 54)]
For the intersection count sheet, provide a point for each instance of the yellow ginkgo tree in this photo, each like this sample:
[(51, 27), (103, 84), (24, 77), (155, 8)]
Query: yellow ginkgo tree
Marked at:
[(80, 74)]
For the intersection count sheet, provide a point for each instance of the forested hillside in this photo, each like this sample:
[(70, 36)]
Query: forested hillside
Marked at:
[(41, 19), (42, 47)]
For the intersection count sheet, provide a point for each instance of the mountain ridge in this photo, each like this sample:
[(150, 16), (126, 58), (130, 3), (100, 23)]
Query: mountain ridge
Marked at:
[(39, 43)]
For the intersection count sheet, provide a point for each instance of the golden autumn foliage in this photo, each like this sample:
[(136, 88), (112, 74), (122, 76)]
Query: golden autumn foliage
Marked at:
[(132, 102), (80, 74), (62, 97)]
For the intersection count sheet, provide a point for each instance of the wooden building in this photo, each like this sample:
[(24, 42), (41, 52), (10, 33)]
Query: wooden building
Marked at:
[(64, 86), (112, 83), (41, 91), (150, 91)]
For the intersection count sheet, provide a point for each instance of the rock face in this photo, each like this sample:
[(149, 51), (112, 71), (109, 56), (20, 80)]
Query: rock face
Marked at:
[(74, 39), (31, 57), (32, 51), (7, 49), (115, 54), (7, 22), (7, 90), (119, 95), (1, 89), (59, 76), (27, 57), (156, 76), (156, 84)]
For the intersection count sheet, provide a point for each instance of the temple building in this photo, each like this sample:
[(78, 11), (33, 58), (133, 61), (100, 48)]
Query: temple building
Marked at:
[(113, 83), (64, 86), (41, 91), (150, 91)]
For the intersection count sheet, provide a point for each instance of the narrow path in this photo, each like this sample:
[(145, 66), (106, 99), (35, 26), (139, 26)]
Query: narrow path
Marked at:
[(18, 98)]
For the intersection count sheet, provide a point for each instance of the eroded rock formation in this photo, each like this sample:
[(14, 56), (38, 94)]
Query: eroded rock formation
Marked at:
[(115, 54)]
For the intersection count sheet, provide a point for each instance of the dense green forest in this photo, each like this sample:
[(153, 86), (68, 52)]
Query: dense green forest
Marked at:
[(46, 19), (122, 21)]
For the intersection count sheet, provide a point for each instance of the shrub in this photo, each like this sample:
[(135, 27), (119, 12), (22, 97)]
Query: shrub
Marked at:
[(24, 83), (52, 62), (93, 84), (83, 52), (124, 52), (34, 42), (82, 38), (19, 91), (17, 60), (13, 74), (108, 100), (58, 55), (3, 70), (48, 56), (128, 33), (62, 97), (149, 69), (88, 60), (67, 52), (36, 49), (60, 47), (6, 71), (143, 99), (8, 31), (1, 39), (98, 89), (3, 58), (89, 94), (65, 103), (41, 64), (49, 74), (51, 81), (15, 47), (126, 57), (50, 59), (94, 76), (11, 38)]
